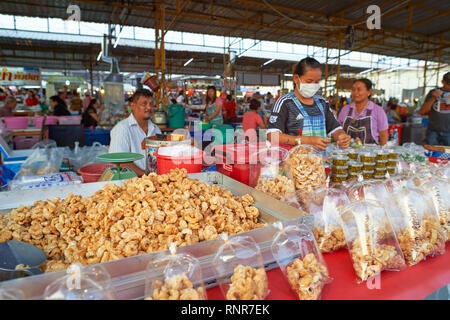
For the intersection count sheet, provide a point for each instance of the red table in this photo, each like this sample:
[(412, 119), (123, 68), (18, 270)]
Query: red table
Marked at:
[(415, 282)]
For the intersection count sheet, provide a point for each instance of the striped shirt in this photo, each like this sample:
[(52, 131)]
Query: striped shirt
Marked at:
[(127, 136), (287, 118)]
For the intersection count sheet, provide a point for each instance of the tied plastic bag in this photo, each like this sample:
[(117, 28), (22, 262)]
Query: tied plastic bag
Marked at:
[(267, 174), (240, 269), (371, 239), (11, 294), (42, 161), (439, 191), (416, 223), (305, 166), (324, 205), (83, 156), (375, 190), (81, 283), (300, 260), (181, 279)]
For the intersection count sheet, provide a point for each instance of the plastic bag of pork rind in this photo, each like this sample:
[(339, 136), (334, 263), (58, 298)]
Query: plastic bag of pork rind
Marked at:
[(267, 174), (324, 204), (416, 224), (439, 191), (177, 276), (300, 260), (371, 239), (91, 282), (240, 270)]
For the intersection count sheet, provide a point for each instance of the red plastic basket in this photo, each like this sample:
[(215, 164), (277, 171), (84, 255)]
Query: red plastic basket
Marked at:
[(193, 164), (93, 172)]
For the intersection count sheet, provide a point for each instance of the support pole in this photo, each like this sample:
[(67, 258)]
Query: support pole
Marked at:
[(91, 74), (439, 61), (326, 66), (425, 72), (338, 74), (163, 58)]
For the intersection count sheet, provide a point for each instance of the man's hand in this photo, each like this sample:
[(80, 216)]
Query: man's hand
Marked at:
[(343, 140)]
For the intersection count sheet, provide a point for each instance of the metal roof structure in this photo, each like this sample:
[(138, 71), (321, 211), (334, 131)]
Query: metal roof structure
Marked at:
[(415, 29), (54, 55)]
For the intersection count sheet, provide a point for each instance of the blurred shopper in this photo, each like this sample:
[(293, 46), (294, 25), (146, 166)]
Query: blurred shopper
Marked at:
[(213, 111), (76, 104), (230, 109), (32, 99), (87, 100), (180, 98), (59, 107), (252, 120), (128, 134), (90, 117), (437, 104), (363, 119), (7, 110), (269, 101), (278, 95)]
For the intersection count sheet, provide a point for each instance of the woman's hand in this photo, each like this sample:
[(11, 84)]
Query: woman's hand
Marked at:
[(343, 140), (319, 142)]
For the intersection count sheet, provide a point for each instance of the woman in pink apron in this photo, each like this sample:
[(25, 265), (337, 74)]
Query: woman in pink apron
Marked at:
[(362, 119)]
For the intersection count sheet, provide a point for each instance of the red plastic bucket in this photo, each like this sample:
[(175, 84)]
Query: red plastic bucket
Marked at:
[(93, 172), (193, 164), (16, 122)]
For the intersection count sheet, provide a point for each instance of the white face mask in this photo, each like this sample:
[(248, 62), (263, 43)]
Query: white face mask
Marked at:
[(307, 90)]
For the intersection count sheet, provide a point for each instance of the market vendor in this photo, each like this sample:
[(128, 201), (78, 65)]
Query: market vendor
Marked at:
[(363, 119), (437, 103), (128, 134), (213, 111), (302, 116), (7, 110), (59, 107)]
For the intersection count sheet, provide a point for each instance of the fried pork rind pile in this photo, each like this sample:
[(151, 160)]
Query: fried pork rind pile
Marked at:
[(324, 205), (247, 283), (177, 287), (299, 258), (305, 167), (142, 215), (240, 270), (417, 224), (307, 277), (371, 240)]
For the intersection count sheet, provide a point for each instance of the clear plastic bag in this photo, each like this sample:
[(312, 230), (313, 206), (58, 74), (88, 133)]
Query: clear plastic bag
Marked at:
[(81, 283), (305, 166), (240, 269), (300, 260), (439, 192), (376, 190), (11, 294), (416, 223), (44, 181), (42, 161), (324, 205), (371, 239), (267, 174), (181, 279)]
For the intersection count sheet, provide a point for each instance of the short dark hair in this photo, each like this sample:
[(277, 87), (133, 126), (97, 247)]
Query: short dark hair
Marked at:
[(254, 104), (173, 100), (141, 93), (447, 78), (229, 97), (304, 64), (366, 82), (57, 99)]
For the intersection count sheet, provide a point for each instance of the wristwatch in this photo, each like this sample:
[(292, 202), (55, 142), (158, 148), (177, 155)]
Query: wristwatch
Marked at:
[(298, 141)]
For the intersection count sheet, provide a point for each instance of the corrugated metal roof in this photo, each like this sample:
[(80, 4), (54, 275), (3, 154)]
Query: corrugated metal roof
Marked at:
[(228, 19)]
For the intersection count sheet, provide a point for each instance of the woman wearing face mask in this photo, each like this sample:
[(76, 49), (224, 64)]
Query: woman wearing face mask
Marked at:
[(303, 117)]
